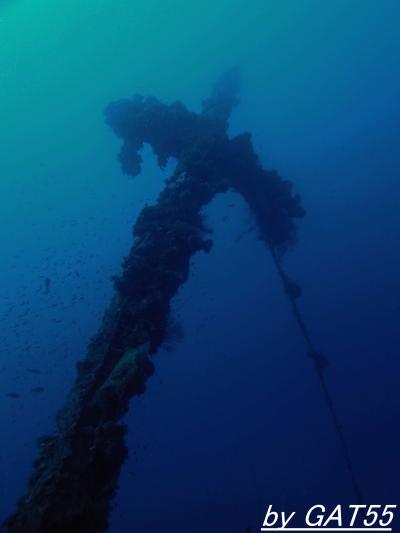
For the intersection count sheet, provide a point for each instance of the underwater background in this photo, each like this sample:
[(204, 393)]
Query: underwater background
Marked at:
[(234, 419)]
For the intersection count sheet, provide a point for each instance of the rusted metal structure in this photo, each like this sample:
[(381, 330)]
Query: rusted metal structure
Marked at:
[(76, 474)]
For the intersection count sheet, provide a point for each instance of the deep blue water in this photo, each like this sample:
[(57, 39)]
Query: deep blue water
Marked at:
[(234, 419)]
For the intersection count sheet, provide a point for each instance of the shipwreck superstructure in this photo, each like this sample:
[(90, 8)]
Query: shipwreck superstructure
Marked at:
[(76, 474)]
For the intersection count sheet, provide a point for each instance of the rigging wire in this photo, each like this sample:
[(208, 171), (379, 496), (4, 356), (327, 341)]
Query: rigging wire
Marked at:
[(320, 365)]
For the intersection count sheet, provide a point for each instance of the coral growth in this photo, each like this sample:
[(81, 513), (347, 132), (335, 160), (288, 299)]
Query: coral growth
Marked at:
[(76, 474)]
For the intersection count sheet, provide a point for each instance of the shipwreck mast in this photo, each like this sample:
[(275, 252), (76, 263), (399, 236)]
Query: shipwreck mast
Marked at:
[(76, 474)]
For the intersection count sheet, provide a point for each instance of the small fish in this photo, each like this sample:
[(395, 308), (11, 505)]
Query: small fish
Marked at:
[(33, 370), (13, 395), (243, 233), (47, 282), (37, 389)]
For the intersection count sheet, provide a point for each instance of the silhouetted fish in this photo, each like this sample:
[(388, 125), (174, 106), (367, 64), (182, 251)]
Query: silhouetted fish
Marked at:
[(33, 370), (13, 395), (47, 282), (37, 389)]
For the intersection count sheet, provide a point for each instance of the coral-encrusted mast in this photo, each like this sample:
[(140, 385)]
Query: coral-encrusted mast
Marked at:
[(76, 474)]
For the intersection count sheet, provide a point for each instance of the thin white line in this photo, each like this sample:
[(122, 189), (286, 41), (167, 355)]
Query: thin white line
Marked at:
[(326, 529)]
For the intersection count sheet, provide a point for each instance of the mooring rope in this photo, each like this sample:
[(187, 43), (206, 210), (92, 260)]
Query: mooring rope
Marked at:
[(320, 365)]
